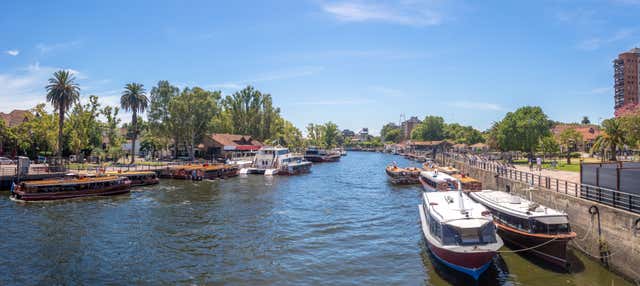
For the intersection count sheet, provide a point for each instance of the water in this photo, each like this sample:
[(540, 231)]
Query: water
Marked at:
[(343, 224)]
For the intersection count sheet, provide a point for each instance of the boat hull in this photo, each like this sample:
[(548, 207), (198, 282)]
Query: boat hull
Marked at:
[(145, 182), (407, 178), (554, 252), (49, 196), (295, 169), (321, 159)]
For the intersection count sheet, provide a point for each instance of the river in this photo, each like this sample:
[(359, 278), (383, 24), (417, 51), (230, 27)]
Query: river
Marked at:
[(343, 224)]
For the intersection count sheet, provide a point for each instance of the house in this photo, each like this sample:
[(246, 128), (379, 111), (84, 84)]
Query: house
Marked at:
[(590, 133), (226, 145), (479, 148), (363, 134), (15, 117), (460, 147)]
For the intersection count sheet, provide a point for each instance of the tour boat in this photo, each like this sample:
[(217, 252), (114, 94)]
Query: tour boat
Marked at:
[(449, 170), (458, 231), (436, 181), (67, 188), (404, 176), (200, 172), (469, 184), (313, 154), (525, 224), (138, 178), (277, 160)]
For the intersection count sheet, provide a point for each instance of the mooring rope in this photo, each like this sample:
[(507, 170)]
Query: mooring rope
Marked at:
[(595, 256), (528, 248)]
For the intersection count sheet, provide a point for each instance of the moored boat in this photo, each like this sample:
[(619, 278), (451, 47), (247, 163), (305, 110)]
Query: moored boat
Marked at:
[(524, 224), (67, 188), (403, 176), (199, 172), (436, 181), (138, 178), (459, 232), (293, 164), (277, 160), (469, 184), (316, 155)]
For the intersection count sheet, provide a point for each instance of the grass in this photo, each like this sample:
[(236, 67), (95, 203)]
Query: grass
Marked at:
[(562, 164)]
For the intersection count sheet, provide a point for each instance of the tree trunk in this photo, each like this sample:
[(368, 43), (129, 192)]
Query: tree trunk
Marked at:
[(568, 158), (613, 152), (134, 123), (60, 126)]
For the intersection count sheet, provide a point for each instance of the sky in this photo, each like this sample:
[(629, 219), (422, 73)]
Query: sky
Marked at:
[(356, 63)]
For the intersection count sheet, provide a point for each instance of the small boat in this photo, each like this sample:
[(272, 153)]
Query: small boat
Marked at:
[(525, 224), (242, 160), (200, 172), (403, 176), (449, 170), (67, 188), (459, 232), (277, 160), (433, 181), (313, 154), (340, 151), (138, 178), (469, 184)]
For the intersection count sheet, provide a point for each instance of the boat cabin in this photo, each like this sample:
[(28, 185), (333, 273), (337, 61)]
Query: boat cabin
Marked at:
[(438, 181)]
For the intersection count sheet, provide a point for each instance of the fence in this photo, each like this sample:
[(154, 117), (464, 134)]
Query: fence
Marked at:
[(42, 169), (614, 198)]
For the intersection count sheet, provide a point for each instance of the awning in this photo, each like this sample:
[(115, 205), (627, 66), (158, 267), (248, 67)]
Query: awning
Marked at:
[(242, 148), (552, 219)]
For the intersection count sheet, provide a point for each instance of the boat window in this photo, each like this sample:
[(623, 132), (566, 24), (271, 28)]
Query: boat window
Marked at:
[(435, 227), (488, 233)]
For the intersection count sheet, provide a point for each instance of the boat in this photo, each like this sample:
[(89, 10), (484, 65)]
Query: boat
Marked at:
[(277, 160), (316, 155), (138, 178), (242, 160), (469, 184), (200, 171), (458, 231), (67, 188), (433, 181), (448, 170), (340, 151), (403, 176), (526, 224)]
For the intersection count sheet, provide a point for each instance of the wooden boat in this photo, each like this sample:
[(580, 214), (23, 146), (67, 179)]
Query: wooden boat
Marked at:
[(199, 172), (313, 154), (458, 231), (469, 184), (449, 170), (138, 178), (525, 224), (433, 181), (67, 188), (403, 176)]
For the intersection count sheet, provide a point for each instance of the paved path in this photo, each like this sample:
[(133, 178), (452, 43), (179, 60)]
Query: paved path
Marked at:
[(556, 174)]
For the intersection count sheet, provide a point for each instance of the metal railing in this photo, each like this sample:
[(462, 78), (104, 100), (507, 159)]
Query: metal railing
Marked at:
[(613, 198)]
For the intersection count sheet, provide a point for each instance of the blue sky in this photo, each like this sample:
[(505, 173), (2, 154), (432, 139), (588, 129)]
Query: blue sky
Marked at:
[(357, 63)]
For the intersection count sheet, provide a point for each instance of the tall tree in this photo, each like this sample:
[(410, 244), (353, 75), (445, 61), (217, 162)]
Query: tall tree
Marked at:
[(613, 137), (62, 93), (569, 139), (585, 120), (330, 134), (548, 146), (134, 99), (158, 114), (522, 129), (389, 127), (432, 128), (191, 114)]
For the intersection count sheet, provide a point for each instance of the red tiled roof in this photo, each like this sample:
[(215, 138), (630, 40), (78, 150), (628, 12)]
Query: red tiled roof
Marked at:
[(427, 143), (15, 117), (589, 132), (234, 139)]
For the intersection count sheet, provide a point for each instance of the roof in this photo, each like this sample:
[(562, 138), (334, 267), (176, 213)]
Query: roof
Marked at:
[(446, 207), (514, 205), (15, 117), (437, 177), (589, 131), (427, 143), (635, 50), (226, 139)]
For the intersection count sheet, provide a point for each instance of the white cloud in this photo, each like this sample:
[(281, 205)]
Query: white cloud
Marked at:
[(474, 105), (13, 52), (595, 43), (413, 13), (47, 48)]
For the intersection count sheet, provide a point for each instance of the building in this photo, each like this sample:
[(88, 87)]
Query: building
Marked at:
[(363, 135), (348, 133), (408, 126), (626, 81), (15, 117), (219, 145), (589, 134)]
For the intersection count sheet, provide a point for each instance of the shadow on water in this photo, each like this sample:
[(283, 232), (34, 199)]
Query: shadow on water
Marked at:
[(575, 264)]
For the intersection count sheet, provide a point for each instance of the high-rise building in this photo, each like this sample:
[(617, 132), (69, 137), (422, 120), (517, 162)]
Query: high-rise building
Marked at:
[(626, 81), (408, 126)]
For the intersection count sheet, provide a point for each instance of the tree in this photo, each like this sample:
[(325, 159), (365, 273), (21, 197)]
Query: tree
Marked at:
[(393, 135), (585, 120), (62, 93), (462, 134), (330, 134), (314, 134), (522, 130), (158, 114), (569, 139), (134, 99), (432, 128), (388, 128), (613, 137), (191, 115), (112, 131), (83, 129), (251, 112), (549, 146), (630, 124)]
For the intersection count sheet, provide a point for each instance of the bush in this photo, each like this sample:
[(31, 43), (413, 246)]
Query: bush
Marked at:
[(575, 155)]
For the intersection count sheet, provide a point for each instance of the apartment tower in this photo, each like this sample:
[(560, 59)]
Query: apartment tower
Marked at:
[(626, 81)]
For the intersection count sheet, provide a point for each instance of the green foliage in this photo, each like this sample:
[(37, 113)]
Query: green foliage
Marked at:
[(158, 114), (251, 113), (431, 128), (462, 134), (521, 130), (389, 127), (83, 129), (548, 146), (613, 137), (393, 135), (62, 93), (569, 139), (191, 114), (324, 136), (134, 99)]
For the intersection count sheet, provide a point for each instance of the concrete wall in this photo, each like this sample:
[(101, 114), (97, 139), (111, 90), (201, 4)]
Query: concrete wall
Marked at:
[(618, 230)]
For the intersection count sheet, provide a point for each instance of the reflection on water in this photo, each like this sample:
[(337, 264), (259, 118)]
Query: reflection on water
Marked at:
[(343, 224)]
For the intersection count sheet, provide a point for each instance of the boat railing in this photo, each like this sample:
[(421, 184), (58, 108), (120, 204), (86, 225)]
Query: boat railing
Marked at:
[(614, 198)]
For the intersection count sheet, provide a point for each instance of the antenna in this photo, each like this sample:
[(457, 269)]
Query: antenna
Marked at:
[(462, 210)]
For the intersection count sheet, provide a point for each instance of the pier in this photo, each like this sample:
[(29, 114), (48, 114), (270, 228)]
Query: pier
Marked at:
[(608, 227)]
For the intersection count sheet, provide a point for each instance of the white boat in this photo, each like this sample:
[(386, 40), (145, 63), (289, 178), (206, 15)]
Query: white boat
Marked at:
[(433, 181), (242, 160), (459, 232), (277, 160)]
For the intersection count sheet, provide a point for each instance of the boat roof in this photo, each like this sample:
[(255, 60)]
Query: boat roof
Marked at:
[(464, 179), (125, 173), (445, 206), (53, 182), (438, 177), (516, 205), (272, 148)]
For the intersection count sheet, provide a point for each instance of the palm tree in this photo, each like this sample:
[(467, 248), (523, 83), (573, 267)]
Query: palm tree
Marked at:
[(612, 138), (62, 92), (134, 99)]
